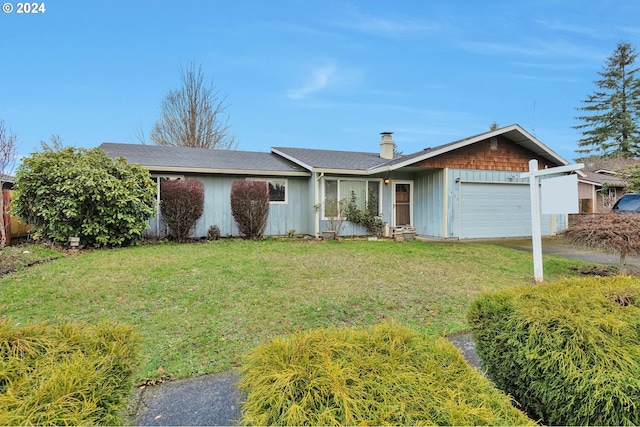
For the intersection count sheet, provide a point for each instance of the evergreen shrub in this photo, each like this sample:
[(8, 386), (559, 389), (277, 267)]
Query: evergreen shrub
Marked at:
[(65, 375), (568, 352), (79, 192), (384, 375)]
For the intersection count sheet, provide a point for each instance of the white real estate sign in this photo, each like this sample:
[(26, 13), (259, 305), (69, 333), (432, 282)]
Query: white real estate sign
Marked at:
[(559, 195), (534, 184)]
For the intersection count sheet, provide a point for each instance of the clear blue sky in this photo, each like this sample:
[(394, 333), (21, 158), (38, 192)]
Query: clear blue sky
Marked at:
[(317, 74)]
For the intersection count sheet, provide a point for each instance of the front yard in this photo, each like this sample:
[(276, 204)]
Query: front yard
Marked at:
[(198, 307)]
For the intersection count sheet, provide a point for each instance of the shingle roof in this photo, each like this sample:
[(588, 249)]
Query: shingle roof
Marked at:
[(332, 159), (356, 162), (154, 157), (301, 161), (601, 178)]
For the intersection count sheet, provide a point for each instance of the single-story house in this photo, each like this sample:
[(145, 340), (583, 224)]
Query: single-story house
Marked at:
[(470, 188), (598, 191)]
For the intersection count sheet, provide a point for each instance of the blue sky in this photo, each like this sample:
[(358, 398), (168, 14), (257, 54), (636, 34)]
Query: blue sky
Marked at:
[(317, 74)]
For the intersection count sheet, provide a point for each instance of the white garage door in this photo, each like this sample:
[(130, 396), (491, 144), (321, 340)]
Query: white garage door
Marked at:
[(490, 210)]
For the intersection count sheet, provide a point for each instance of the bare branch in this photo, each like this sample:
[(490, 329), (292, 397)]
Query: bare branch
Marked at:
[(56, 144), (194, 115)]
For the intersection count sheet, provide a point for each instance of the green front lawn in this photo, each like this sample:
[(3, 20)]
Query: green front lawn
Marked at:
[(198, 307)]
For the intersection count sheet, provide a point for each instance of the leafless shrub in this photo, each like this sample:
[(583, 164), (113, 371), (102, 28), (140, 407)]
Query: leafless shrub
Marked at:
[(615, 233), (250, 207), (181, 205)]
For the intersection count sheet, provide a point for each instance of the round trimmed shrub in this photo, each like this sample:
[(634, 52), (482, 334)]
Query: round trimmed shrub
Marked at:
[(384, 375), (568, 352), (70, 374)]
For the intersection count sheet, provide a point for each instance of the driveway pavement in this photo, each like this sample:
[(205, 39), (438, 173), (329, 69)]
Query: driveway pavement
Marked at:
[(213, 400), (556, 245)]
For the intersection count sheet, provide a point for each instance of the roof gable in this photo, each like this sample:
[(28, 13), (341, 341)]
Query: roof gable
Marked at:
[(371, 163), (514, 133), (331, 160)]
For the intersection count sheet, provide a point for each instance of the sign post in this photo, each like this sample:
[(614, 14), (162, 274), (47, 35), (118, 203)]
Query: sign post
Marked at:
[(534, 185)]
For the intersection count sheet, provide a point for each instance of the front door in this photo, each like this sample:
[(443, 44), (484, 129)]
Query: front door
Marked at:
[(402, 204)]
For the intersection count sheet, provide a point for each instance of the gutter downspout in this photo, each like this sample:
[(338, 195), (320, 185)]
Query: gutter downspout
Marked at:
[(445, 204)]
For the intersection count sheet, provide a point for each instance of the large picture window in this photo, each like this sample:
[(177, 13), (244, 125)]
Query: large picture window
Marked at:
[(366, 192), (277, 189)]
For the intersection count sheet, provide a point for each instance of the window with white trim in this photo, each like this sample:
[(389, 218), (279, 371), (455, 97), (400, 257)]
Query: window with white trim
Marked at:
[(342, 190), (277, 189)]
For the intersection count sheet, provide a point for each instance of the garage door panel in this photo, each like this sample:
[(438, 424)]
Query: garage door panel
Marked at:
[(490, 210)]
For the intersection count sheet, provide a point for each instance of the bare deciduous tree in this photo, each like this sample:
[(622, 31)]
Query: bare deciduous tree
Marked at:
[(8, 149), (54, 145), (194, 115)]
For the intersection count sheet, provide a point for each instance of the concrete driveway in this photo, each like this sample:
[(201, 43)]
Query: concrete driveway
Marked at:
[(556, 245)]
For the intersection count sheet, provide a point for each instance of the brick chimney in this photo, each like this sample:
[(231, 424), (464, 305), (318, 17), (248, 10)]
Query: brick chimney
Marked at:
[(386, 145)]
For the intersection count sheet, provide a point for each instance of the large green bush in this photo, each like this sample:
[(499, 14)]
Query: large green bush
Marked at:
[(569, 352), (383, 375), (65, 375), (84, 193)]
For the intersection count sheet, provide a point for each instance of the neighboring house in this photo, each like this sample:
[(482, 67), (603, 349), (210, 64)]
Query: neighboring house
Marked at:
[(469, 188), (14, 228), (598, 191)]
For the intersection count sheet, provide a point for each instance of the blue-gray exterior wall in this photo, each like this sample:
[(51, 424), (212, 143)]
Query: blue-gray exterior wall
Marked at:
[(292, 215), (429, 195)]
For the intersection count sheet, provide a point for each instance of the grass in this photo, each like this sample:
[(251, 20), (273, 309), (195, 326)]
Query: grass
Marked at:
[(198, 307)]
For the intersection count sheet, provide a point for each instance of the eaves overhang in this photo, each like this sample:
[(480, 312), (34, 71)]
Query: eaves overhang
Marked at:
[(514, 133), (176, 169)]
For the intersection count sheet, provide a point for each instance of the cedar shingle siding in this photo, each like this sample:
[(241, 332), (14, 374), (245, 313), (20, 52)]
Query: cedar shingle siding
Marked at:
[(507, 156)]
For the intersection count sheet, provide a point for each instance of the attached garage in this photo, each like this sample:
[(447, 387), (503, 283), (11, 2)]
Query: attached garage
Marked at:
[(489, 210)]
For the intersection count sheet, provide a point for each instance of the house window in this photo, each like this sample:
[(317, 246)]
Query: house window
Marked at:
[(366, 192), (167, 177), (277, 189), (609, 198)]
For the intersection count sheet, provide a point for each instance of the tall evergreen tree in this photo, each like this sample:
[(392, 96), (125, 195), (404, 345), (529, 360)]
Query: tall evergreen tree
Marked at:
[(612, 113)]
